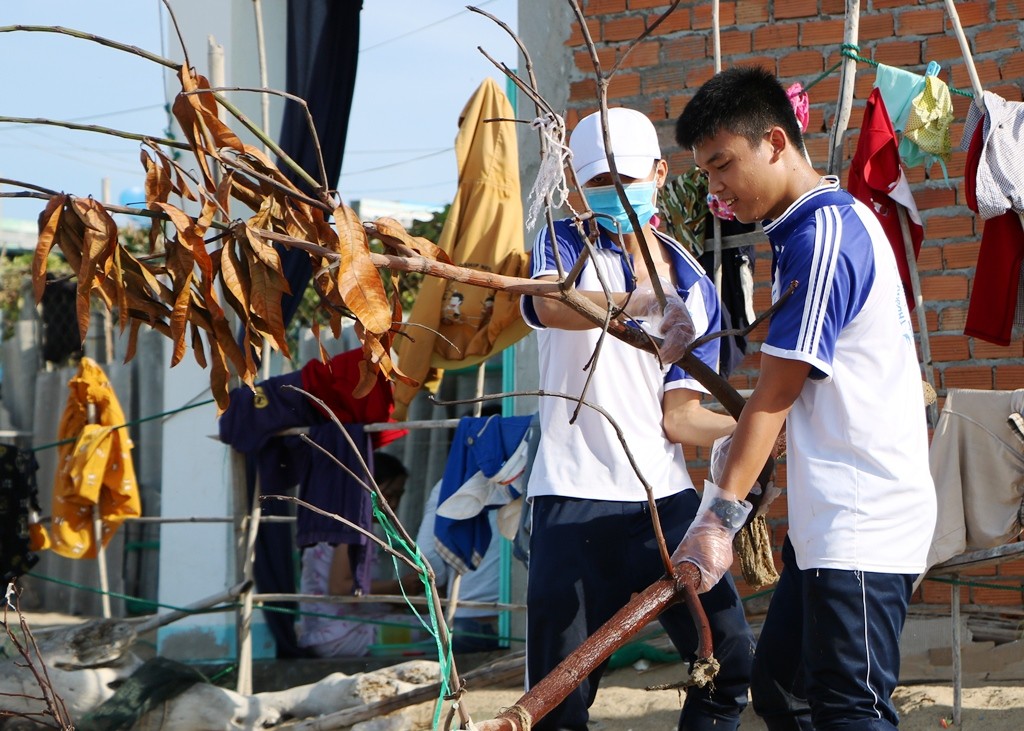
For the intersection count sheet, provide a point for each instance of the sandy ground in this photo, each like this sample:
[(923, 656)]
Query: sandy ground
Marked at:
[(623, 704)]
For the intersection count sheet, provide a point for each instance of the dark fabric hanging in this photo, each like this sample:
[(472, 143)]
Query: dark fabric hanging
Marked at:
[(323, 48), (734, 309), (18, 498)]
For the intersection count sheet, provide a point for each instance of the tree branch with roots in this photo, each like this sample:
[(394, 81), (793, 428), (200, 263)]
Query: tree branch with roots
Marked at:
[(221, 274)]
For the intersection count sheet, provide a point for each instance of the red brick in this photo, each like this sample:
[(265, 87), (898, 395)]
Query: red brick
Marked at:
[(606, 55), (944, 288), (796, 9), (953, 318), (580, 90), (819, 32), (973, 13), (1009, 10), (1009, 377), (645, 54), (800, 63), (1011, 568), (781, 35), (934, 197), (934, 592), (941, 48), (646, 4), (622, 29), (996, 39), (1010, 596), (929, 259), (921, 22), (680, 20), (931, 318), (623, 86), (701, 15), (949, 348), (899, 53), (735, 42), (698, 76), (833, 7), (768, 63), (686, 48), (967, 377), (875, 27), (1012, 67), (662, 79), (947, 227), (983, 349), (961, 256), (880, 4), (980, 572), (749, 12), (605, 7), (576, 36)]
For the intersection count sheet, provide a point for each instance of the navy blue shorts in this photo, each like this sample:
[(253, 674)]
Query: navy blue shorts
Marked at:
[(828, 656), (587, 558)]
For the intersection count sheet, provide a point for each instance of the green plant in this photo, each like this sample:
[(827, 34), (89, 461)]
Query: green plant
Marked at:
[(684, 201)]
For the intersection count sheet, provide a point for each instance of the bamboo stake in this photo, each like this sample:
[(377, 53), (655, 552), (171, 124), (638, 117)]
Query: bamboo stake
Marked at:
[(972, 71), (848, 76), (922, 318)]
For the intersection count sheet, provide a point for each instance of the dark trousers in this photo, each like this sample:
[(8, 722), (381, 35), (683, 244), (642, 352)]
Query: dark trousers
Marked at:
[(828, 656), (587, 558)]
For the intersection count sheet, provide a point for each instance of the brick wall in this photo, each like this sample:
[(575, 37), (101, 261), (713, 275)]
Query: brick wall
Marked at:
[(799, 40)]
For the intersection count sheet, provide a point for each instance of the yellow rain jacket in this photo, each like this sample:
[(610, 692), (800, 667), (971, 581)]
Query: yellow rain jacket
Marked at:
[(484, 231), (95, 470)]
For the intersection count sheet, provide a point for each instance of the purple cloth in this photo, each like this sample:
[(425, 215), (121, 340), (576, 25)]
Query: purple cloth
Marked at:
[(330, 488)]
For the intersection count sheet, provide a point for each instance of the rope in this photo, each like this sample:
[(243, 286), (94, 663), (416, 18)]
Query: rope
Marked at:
[(849, 50), (550, 180), (141, 420), (977, 584)]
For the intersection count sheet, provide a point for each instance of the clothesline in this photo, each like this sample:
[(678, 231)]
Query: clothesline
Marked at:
[(848, 50)]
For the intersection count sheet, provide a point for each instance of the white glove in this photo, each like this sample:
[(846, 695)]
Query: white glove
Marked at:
[(708, 542), (674, 325), (716, 465)]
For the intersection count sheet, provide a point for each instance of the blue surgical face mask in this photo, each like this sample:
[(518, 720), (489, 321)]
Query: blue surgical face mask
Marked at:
[(605, 200)]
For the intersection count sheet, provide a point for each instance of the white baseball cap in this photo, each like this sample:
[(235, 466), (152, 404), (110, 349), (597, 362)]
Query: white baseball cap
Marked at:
[(634, 144)]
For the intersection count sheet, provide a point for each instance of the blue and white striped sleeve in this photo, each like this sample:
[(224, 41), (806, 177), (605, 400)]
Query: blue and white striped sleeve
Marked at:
[(542, 262), (703, 305), (808, 323)]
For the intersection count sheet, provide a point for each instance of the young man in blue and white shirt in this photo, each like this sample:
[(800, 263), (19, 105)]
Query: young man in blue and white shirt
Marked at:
[(592, 543), (839, 369)]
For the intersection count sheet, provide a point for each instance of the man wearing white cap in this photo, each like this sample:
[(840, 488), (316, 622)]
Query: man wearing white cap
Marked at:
[(592, 544)]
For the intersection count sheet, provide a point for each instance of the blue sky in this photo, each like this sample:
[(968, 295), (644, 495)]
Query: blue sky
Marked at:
[(418, 66)]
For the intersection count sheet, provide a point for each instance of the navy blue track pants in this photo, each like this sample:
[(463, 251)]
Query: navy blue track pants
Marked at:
[(587, 558), (828, 656)]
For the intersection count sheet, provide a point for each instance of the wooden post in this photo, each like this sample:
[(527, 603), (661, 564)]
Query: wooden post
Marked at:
[(848, 75), (97, 534), (246, 525), (957, 666), (922, 319)]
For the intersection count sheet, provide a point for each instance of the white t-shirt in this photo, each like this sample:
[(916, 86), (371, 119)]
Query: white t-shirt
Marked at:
[(482, 584), (860, 491), (585, 459)]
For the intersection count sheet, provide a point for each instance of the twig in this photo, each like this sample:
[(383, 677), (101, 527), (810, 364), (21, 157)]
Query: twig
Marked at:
[(96, 128)]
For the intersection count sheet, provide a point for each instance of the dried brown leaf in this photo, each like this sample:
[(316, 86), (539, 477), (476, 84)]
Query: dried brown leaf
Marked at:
[(358, 280), (393, 235), (49, 220)]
